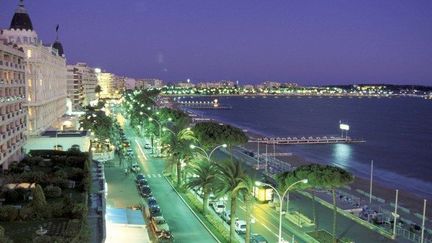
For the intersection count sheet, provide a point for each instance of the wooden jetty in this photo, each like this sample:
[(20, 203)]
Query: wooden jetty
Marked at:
[(305, 140)]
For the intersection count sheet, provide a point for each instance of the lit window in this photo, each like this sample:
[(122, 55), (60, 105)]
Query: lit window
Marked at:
[(29, 53)]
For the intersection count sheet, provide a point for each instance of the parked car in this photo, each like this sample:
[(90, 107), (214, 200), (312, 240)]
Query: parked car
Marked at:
[(159, 224), (240, 226), (151, 201), (256, 238), (226, 216), (135, 167), (147, 146), (155, 211), (219, 207), (139, 177), (142, 183), (145, 192)]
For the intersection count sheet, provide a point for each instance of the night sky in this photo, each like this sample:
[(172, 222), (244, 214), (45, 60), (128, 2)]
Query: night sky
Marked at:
[(309, 42)]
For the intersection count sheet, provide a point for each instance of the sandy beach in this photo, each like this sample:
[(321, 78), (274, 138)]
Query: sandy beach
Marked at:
[(406, 199)]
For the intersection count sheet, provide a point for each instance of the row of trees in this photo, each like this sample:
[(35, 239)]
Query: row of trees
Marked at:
[(222, 178)]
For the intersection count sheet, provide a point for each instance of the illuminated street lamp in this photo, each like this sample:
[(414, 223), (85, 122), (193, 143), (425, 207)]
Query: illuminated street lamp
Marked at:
[(208, 155), (258, 183)]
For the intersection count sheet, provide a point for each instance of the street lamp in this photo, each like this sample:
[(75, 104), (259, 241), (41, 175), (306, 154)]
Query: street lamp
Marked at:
[(258, 183), (160, 130), (208, 155)]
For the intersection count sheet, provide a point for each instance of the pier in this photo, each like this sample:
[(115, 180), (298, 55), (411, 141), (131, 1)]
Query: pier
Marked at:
[(305, 140), (204, 104)]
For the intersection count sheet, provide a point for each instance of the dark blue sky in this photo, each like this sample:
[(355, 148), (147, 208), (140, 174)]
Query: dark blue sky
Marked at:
[(309, 42)]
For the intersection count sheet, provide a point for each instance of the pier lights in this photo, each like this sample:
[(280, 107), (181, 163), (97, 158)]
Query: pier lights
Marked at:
[(208, 155), (258, 183), (344, 127)]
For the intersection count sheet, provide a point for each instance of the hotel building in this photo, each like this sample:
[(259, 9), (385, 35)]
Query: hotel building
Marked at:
[(46, 73), (12, 98), (81, 85)]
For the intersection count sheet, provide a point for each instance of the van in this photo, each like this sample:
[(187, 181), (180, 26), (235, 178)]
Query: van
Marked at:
[(240, 226), (218, 207)]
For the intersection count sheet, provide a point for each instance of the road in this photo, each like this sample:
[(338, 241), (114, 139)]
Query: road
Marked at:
[(268, 219), (182, 222)]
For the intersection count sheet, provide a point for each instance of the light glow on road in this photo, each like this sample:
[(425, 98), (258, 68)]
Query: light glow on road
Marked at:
[(141, 150)]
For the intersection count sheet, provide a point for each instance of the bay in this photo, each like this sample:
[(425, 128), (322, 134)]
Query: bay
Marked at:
[(398, 132)]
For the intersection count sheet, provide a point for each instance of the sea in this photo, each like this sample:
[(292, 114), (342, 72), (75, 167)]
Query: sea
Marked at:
[(397, 131)]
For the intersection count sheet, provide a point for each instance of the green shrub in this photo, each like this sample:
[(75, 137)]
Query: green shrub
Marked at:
[(53, 191), (26, 213), (39, 200), (9, 213), (219, 226), (61, 174), (60, 182), (3, 237), (79, 211), (59, 209), (76, 174), (32, 176)]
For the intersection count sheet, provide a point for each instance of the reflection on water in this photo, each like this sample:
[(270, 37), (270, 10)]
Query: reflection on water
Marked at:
[(342, 154)]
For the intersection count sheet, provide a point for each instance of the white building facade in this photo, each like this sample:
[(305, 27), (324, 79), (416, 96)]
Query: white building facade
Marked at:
[(81, 85), (12, 110), (46, 73)]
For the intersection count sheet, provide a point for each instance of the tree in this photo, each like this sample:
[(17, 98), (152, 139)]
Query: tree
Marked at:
[(312, 172), (211, 134), (229, 181), (246, 191), (204, 177), (332, 178), (98, 90), (319, 176), (179, 151), (39, 200)]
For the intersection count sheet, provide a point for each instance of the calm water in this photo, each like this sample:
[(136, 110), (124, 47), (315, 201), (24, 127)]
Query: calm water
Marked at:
[(398, 133)]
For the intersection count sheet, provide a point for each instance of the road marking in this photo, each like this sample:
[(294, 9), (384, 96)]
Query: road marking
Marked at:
[(259, 221), (159, 175), (154, 175), (142, 152)]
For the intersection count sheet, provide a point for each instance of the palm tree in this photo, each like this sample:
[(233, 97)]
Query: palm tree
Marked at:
[(246, 191), (179, 151), (332, 178), (205, 174), (230, 180)]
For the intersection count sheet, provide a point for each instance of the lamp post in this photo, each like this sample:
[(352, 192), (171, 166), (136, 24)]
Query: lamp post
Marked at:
[(208, 155), (258, 183)]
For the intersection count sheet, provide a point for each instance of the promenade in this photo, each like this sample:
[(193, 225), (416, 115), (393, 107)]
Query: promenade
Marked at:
[(349, 197), (183, 224)]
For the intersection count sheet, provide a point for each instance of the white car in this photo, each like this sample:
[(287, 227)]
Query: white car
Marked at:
[(147, 146), (219, 207), (135, 167), (226, 216), (240, 226)]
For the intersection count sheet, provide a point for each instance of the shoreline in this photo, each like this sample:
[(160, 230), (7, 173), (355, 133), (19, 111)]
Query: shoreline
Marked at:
[(407, 199)]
